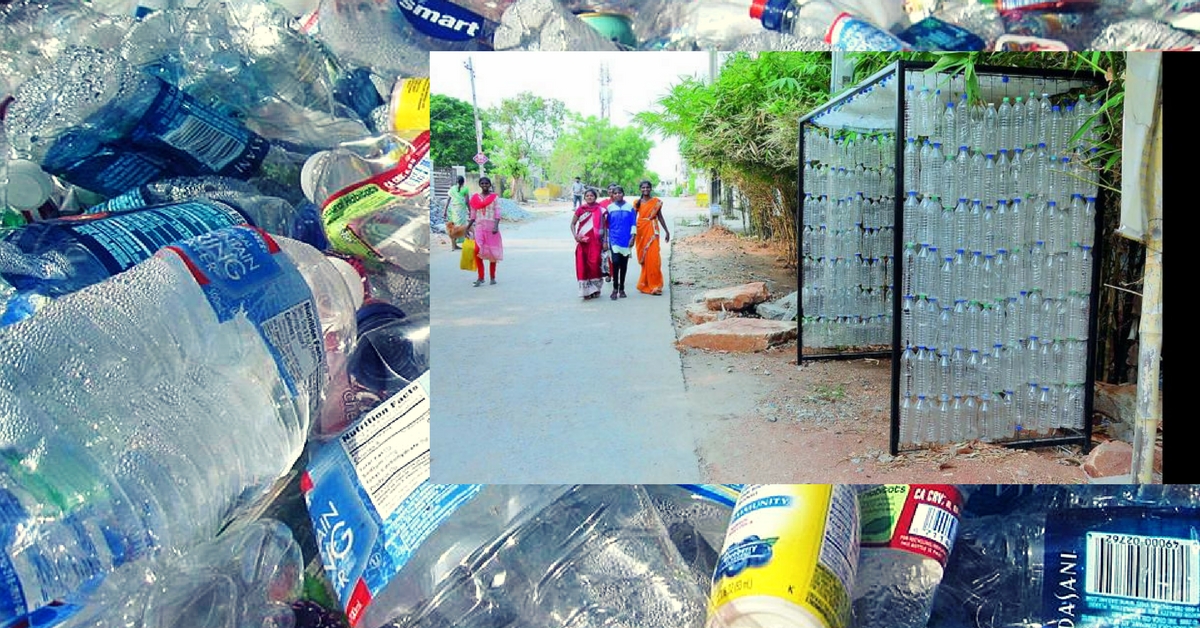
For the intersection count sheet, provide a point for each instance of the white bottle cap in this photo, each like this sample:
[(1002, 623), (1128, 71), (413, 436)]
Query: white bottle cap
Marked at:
[(309, 172), (763, 611), (354, 281), (28, 185)]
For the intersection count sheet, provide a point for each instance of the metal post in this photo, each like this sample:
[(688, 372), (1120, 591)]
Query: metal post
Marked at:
[(475, 107)]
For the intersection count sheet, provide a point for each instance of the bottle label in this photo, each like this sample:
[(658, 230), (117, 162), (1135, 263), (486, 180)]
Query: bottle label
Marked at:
[(850, 33), (724, 494), (111, 171), (198, 139), (238, 272), (346, 212), (797, 543), (121, 240), (448, 21), (370, 499), (132, 199), (1128, 567), (410, 105), (918, 518), (934, 34)]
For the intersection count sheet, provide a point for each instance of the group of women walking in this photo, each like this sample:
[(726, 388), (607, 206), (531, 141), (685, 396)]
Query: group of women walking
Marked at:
[(609, 232)]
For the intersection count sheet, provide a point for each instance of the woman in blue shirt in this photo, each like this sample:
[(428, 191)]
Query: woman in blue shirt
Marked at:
[(622, 218)]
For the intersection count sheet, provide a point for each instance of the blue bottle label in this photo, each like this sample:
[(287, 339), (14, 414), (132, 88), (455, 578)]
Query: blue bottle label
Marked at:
[(110, 171), (724, 494), (1129, 567), (132, 199), (934, 34), (198, 139), (370, 499), (240, 276), (121, 240), (445, 20)]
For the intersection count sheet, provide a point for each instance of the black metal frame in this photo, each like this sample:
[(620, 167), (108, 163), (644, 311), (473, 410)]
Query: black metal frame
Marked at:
[(845, 355), (900, 69)]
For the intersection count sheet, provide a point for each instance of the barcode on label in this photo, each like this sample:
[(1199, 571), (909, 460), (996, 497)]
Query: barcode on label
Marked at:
[(211, 146), (1158, 569), (934, 523)]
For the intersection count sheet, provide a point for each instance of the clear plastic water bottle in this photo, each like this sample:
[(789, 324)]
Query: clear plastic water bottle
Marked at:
[(1004, 176), (100, 123), (232, 333), (991, 129), (250, 575), (937, 161), (1004, 115), (908, 532), (1043, 120), (948, 130), (990, 189), (1002, 563), (975, 233), (1017, 120), (49, 259), (1017, 180)]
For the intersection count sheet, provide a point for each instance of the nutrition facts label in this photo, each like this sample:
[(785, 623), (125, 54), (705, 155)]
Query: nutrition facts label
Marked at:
[(389, 449)]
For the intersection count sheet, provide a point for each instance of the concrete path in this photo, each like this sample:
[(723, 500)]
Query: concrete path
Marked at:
[(531, 384)]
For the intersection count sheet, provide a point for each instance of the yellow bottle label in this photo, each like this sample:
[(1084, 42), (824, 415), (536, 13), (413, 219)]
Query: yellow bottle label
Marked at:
[(797, 543), (410, 106)]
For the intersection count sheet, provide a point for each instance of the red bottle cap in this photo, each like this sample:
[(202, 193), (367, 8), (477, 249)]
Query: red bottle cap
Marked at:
[(756, 9)]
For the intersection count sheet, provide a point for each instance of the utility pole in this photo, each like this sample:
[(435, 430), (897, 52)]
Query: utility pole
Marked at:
[(475, 107), (605, 92), (714, 181)]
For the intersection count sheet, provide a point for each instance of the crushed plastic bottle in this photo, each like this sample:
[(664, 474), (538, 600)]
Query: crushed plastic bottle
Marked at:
[(485, 555), (908, 533), (232, 333), (52, 258), (376, 208), (103, 125), (248, 576)]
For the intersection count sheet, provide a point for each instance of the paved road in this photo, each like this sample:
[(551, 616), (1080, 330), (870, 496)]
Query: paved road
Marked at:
[(533, 385)]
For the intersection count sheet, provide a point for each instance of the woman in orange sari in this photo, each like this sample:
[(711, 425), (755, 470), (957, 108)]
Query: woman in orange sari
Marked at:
[(645, 243)]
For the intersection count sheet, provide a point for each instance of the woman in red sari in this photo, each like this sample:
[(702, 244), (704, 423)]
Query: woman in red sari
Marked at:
[(645, 243), (588, 229), (484, 228)]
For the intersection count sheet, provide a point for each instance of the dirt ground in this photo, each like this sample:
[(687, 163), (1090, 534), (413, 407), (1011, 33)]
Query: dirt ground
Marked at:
[(826, 421)]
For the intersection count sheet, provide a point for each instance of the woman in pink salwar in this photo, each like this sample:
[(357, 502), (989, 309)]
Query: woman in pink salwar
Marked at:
[(588, 228), (484, 227)]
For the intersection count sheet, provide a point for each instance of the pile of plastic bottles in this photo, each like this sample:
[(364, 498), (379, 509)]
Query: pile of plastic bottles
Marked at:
[(214, 253), (396, 35)]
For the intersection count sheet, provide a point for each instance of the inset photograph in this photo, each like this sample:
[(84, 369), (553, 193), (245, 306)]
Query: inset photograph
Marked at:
[(908, 266)]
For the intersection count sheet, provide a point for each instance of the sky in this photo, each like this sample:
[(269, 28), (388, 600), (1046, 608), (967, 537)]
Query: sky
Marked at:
[(638, 79)]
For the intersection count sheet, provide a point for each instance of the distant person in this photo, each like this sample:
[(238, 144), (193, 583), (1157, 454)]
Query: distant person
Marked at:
[(577, 193), (484, 227), (646, 245), (622, 218), (456, 199), (587, 227), (607, 201)]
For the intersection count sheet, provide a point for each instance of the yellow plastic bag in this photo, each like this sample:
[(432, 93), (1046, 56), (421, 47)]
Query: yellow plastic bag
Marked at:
[(468, 255)]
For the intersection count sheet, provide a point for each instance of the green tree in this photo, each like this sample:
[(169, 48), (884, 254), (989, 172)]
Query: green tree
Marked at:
[(451, 131), (601, 153), (743, 125), (522, 132)]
